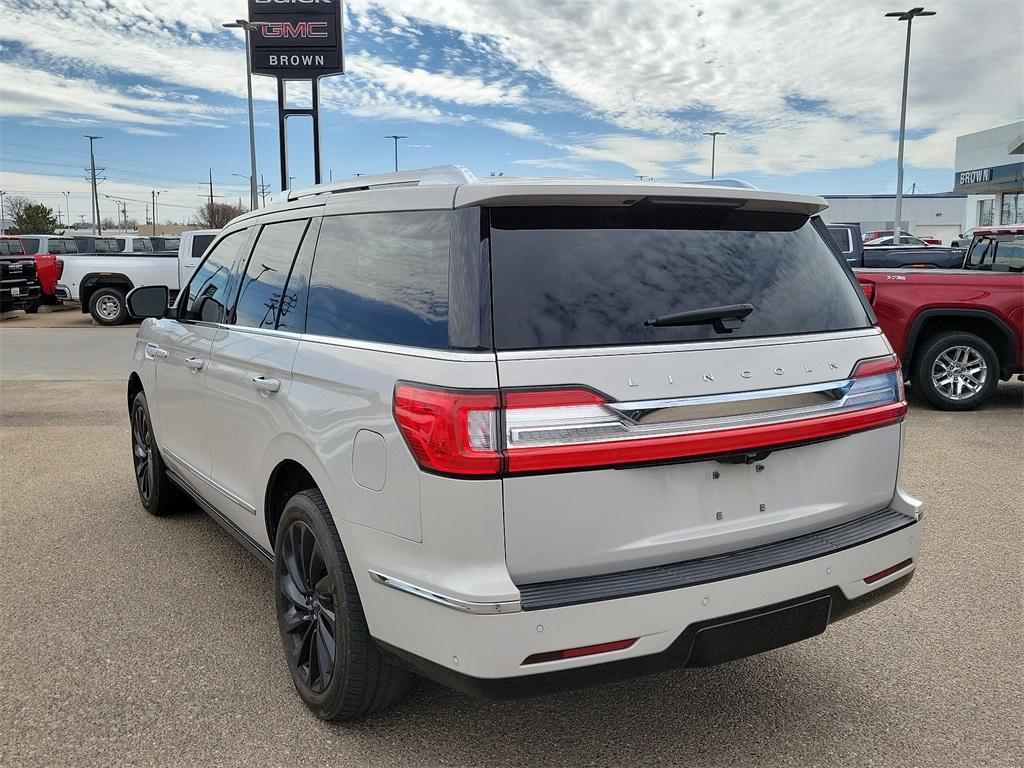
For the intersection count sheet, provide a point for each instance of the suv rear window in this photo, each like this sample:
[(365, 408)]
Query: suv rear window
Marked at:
[(11, 248), (580, 277), (997, 253)]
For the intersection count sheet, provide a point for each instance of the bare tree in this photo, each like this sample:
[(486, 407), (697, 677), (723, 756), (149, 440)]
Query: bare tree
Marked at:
[(216, 215)]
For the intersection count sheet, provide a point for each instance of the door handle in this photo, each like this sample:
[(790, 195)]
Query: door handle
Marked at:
[(265, 386), (195, 363), (153, 352)]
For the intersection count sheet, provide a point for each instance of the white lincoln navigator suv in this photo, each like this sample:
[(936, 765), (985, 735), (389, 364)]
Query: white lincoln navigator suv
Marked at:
[(523, 435)]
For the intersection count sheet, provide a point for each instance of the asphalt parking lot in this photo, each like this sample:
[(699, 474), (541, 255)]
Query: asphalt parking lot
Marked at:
[(131, 640)]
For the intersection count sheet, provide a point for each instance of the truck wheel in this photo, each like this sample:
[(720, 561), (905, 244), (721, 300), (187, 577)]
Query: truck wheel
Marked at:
[(32, 308), (337, 668), (956, 371), (159, 496), (107, 306)]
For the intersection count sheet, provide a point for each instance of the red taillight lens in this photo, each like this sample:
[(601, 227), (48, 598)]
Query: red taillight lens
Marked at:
[(463, 432), (60, 268), (450, 431), (586, 650), (869, 291)]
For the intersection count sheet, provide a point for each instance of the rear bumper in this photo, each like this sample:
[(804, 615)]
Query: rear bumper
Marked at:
[(484, 654), (702, 644)]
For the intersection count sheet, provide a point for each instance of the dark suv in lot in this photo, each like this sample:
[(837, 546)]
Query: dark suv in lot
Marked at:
[(19, 284)]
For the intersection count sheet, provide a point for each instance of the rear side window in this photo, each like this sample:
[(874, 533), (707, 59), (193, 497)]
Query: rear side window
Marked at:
[(63, 246), (199, 245), (580, 277), (382, 277), (11, 248), (1001, 253), (213, 280), (31, 244), (259, 298), (842, 236)]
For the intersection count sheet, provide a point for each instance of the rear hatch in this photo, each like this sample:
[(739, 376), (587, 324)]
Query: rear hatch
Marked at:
[(681, 380)]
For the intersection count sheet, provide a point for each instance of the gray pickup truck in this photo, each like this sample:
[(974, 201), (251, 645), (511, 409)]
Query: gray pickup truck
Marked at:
[(850, 241)]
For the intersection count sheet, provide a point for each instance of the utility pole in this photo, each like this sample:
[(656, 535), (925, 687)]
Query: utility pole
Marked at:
[(153, 195), (211, 187), (264, 188), (714, 136), (3, 219), (95, 194), (395, 138), (907, 16)]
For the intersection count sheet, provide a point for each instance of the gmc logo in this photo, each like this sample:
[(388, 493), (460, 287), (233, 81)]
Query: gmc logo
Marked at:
[(277, 30)]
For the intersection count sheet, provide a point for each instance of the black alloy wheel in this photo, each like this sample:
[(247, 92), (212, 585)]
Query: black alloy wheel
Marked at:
[(308, 616), (142, 452)]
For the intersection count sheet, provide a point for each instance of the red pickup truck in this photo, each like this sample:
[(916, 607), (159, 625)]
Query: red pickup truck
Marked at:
[(958, 332)]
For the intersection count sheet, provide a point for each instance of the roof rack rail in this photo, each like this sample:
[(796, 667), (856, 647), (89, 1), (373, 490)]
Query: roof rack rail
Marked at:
[(730, 183), (441, 174)]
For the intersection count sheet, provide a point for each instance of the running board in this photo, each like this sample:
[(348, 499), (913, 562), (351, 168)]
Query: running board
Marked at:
[(689, 573)]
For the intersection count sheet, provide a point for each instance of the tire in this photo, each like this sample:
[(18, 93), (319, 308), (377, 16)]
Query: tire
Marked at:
[(159, 496), (107, 306), (956, 371), (317, 602), (32, 308)]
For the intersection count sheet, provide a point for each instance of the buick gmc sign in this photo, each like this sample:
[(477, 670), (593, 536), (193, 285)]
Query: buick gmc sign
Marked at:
[(296, 39)]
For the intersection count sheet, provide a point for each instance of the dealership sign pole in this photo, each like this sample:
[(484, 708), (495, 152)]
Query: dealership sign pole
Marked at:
[(297, 40)]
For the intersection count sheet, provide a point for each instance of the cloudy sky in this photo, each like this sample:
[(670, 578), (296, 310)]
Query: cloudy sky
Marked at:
[(808, 92)]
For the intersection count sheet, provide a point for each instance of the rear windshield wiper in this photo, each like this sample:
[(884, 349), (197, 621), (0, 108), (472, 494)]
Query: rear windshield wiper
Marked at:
[(725, 319)]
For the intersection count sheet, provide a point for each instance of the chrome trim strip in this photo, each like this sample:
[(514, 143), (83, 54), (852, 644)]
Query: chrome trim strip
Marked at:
[(735, 403), (508, 606), (688, 346), (216, 486)]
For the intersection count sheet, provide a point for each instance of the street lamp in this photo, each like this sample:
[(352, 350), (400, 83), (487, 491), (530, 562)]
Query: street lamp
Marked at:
[(67, 204), (907, 16), (714, 137), (396, 138), (245, 25)]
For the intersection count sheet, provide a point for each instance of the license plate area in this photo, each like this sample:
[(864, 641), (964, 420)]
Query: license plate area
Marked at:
[(757, 632)]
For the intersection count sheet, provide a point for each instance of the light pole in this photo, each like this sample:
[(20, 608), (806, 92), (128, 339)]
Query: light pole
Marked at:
[(245, 25), (907, 16), (396, 137), (241, 176), (2, 219), (67, 204), (714, 138)]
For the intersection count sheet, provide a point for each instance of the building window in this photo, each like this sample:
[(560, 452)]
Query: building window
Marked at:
[(1012, 208), (986, 214)]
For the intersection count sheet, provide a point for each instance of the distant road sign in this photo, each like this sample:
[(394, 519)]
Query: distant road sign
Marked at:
[(297, 39)]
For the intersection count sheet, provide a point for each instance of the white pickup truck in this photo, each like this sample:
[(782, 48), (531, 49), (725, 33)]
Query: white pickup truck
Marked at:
[(100, 281)]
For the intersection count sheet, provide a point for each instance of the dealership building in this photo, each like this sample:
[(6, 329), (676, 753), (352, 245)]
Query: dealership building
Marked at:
[(987, 190), (990, 171)]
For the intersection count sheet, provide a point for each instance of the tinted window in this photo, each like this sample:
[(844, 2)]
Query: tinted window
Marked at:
[(62, 246), (1001, 253), (142, 244), (842, 236), (572, 277), (31, 244), (259, 298), (199, 245), (382, 277), (213, 279), (12, 248), (293, 305)]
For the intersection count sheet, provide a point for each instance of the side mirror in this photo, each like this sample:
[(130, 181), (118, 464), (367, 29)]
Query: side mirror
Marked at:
[(148, 301), (210, 310)]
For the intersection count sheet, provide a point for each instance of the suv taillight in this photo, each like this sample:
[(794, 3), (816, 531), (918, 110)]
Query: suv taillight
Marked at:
[(60, 268), (467, 432)]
